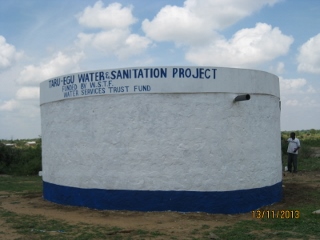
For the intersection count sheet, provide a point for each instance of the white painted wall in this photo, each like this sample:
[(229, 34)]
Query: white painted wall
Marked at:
[(164, 141)]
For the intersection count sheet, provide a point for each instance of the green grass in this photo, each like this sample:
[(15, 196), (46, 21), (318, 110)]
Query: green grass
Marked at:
[(307, 224), (304, 164), (243, 230), (19, 184), (306, 227), (309, 164), (39, 227)]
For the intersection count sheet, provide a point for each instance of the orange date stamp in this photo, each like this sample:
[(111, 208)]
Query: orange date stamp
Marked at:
[(272, 214)]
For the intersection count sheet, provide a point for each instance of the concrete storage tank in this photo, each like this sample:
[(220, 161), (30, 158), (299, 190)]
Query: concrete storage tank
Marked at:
[(162, 138)]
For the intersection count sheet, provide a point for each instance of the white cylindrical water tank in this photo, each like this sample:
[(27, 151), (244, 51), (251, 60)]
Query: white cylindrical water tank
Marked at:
[(162, 138)]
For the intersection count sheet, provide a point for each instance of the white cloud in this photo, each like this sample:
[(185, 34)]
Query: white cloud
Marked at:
[(116, 42), (306, 102), (197, 21), (60, 64), (115, 38), (297, 92), (26, 93), (113, 16), (247, 48), (278, 69), (220, 14), (83, 40), (311, 90), (133, 45), (9, 105), (292, 103), (8, 53), (309, 56), (292, 85), (111, 40), (177, 24), (310, 102)]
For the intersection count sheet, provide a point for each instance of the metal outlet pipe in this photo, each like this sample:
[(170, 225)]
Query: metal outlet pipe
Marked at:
[(243, 97)]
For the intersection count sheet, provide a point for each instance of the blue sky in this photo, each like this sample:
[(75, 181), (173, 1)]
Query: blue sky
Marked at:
[(43, 39)]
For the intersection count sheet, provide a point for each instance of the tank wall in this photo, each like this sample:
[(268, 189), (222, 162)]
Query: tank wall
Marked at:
[(162, 138), (194, 142)]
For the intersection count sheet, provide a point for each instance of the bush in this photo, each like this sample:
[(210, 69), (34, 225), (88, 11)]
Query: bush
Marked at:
[(20, 161), (305, 151)]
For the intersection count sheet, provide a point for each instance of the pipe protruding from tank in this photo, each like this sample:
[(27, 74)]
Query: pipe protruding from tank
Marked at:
[(244, 97)]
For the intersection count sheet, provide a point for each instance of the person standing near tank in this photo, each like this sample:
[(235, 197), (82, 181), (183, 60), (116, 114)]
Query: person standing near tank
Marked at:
[(293, 147)]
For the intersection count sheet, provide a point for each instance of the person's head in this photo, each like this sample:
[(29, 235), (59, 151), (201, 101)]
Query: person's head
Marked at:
[(293, 135)]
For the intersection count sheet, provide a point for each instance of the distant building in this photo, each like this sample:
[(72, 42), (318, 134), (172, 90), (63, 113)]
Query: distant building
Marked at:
[(10, 145), (33, 143)]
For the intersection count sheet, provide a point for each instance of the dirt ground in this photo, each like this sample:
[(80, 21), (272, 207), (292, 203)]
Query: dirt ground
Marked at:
[(295, 186)]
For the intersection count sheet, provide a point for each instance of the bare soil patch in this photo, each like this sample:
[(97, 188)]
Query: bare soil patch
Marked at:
[(297, 188)]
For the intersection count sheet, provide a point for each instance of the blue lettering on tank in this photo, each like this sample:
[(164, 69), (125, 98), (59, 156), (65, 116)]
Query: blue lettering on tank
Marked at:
[(54, 82)]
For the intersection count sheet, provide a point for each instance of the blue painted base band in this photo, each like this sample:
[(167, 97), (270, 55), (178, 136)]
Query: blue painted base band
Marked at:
[(228, 202)]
